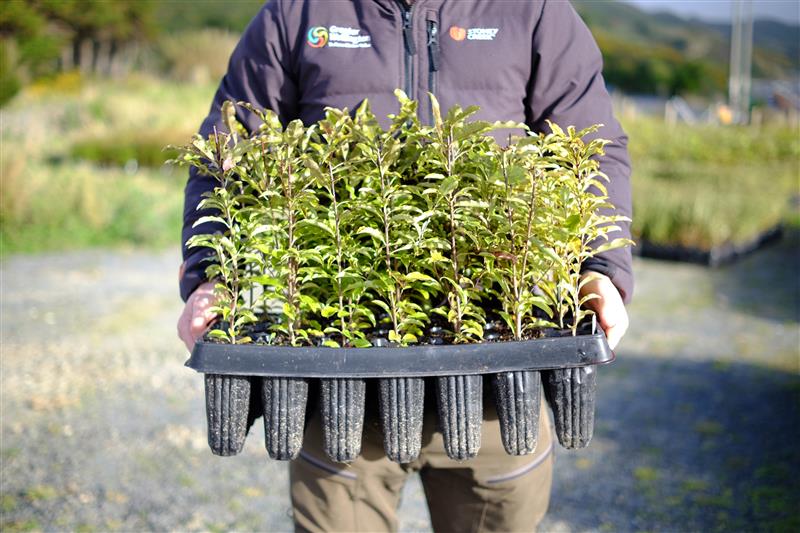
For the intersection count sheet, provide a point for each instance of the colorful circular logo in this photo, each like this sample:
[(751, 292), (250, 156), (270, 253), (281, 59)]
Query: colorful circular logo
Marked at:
[(317, 36), (458, 34)]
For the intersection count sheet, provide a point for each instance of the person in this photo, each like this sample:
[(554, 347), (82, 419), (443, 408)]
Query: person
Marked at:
[(528, 62)]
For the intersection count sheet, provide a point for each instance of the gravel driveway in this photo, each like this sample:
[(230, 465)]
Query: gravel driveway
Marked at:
[(102, 428)]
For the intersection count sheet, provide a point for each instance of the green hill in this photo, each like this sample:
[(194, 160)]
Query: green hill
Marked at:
[(664, 53), (225, 15)]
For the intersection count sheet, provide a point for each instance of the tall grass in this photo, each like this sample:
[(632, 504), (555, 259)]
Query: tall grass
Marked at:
[(121, 149), (703, 185), (75, 205), (65, 176)]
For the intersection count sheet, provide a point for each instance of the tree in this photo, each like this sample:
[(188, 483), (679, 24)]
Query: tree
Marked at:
[(41, 37)]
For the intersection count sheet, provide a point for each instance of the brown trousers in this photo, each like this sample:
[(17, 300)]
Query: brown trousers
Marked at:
[(491, 492)]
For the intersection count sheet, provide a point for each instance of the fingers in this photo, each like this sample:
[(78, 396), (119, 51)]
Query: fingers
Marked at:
[(201, 315), (610, 311), (614, 324), (196, 315), (184, 327)]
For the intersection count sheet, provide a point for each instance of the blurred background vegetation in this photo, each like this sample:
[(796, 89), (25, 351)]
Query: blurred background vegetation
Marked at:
[(91, 92)]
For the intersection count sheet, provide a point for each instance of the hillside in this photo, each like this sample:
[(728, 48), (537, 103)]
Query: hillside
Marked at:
[(619, 25), (781, 42)]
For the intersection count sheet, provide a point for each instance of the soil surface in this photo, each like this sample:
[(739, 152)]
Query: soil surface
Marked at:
[(102, 428)]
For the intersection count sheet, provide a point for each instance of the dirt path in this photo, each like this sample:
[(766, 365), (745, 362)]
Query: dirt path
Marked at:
[(102, 428)]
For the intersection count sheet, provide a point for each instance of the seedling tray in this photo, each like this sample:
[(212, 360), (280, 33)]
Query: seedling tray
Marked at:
[(562, 365), (412, 361)]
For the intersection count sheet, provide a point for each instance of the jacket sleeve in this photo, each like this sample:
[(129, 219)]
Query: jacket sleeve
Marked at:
[(567, 88), (259, 73)]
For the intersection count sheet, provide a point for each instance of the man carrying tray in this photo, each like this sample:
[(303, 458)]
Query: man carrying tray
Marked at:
[(522, 61)]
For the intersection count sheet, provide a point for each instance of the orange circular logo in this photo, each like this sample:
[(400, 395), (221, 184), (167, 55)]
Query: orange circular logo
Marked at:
[(458, 34)]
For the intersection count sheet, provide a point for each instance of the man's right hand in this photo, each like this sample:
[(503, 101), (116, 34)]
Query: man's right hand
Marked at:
[(197, 314)]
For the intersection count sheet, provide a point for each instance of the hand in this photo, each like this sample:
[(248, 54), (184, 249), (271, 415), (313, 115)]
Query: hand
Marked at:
[(197, 314), (610, 310)]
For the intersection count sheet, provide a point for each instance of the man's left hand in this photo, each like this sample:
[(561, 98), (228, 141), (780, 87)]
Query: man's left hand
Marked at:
[(611, 313)]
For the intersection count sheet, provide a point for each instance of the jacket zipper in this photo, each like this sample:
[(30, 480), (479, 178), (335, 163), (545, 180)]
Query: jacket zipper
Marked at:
[(433, 59), (410, 48)]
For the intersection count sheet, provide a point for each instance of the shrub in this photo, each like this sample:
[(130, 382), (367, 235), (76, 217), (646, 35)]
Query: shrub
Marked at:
[(145, 148)]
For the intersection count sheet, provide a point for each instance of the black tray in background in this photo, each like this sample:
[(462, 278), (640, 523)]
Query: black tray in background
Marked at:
[(589, 348)]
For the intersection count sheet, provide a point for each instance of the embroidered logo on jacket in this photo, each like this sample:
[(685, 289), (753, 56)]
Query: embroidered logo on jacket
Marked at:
[(473, 34), (317, 37), (338, 37), (457, 34)]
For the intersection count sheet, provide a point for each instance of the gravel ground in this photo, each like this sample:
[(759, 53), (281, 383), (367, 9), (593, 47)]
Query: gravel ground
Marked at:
[(102, 428)]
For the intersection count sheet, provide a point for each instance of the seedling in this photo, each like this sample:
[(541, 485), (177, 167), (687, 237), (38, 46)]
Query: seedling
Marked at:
[(455, 152), (578, 210), (328, 234), (517, 261), (220, 156), (341, 271), (285, 196), (396, 223)]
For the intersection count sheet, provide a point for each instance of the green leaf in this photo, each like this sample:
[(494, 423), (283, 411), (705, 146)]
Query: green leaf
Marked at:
[(418, 276), (613, 245), (316, 223), (383, 305), (210, 219), (361, 343), (436, 111), (372, 232), (408, 337), (218, 334)]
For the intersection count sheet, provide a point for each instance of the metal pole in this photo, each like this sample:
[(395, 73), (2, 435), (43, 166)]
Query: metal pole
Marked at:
[(735, 62), (740, 78), (747, 60)]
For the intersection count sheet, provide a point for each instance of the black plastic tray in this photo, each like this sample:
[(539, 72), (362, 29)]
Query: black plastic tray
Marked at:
[(564, 365), (412, 361), (714, 257)]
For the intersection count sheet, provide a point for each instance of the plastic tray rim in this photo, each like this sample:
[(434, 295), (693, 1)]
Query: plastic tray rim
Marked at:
[(412, 361)]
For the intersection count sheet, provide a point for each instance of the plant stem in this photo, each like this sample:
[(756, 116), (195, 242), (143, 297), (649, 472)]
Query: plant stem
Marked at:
[(454, 262), (231, 277), (394, 296), (268, 186), (516, 282), (291, 281), (455, 297), (339, 268), (577, 263)]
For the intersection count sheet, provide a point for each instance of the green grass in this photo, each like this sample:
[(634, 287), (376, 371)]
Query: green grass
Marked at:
[(145, 148), (65, 183), (67, 206), (646, 474), (704, 186)]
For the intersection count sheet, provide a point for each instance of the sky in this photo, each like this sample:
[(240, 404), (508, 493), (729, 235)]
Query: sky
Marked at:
[(787, 11)]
